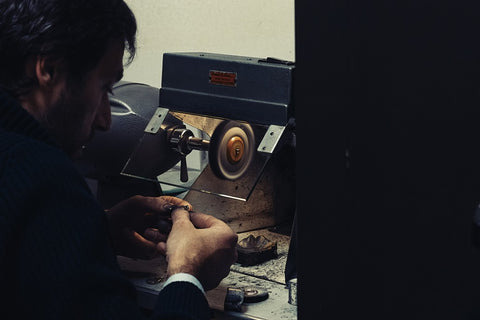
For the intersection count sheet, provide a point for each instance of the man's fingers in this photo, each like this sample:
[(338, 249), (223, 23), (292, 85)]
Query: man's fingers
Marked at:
[(176, 202), (202, 220), (162, 248), (161, 204), (180, 214), (158, 207), (154, 235), (142, 248)]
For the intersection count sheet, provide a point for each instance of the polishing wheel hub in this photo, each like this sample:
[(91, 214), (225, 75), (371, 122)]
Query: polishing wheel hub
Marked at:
[(235, 149), (232, 148)]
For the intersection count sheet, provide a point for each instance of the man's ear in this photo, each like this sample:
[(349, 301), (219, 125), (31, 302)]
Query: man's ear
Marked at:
[(46, 71)]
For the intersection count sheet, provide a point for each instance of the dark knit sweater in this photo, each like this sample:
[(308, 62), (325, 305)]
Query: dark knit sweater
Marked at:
[(55, 258)]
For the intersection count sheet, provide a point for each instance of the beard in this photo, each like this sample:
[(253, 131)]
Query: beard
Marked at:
[(64, 121)]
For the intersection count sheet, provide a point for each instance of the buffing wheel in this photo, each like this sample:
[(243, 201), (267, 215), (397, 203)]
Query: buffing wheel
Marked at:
[(231, 150)]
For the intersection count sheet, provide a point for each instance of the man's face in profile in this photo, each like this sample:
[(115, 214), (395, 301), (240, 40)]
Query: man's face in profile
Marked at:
[(79, 110)]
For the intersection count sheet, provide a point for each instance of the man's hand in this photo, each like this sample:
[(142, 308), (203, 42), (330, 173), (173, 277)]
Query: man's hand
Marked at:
[(131, 225), (201, 245)]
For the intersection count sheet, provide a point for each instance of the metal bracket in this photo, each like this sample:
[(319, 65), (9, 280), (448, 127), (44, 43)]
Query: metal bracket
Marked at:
[(156, 121), (271, 138)]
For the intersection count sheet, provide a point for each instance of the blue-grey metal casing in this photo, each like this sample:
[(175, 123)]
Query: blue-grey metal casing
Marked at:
[(239, 88)]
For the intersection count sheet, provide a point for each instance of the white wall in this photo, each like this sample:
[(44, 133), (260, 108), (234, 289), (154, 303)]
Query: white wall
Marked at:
[(256, 28)]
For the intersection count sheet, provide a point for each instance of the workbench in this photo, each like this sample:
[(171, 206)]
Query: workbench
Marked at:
[(148, 277)]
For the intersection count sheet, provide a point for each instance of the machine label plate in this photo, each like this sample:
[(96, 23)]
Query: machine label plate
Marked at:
[(223, 78)]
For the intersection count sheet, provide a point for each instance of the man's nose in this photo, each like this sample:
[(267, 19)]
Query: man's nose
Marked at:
[(103, 120)]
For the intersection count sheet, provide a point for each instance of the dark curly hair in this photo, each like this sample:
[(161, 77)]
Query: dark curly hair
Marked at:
[(75, 31)]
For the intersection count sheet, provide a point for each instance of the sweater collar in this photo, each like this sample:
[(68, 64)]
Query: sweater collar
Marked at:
[(16, 119)]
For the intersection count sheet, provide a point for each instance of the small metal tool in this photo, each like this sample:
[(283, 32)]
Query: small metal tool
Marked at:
[(234, 299)]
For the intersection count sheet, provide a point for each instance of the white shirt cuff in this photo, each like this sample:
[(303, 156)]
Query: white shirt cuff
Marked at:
[(183, 277)]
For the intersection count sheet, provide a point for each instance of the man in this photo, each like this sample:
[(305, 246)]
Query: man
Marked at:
[(58, 61)]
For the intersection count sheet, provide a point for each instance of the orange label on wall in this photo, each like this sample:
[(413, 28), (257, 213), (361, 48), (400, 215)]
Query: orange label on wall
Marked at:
[(223, 78)]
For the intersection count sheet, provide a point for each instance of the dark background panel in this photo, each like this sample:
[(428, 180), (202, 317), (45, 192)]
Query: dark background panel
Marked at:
[(397, 84)]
